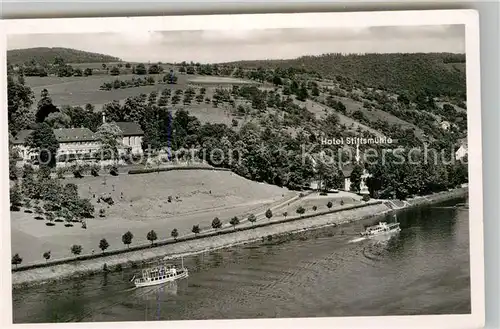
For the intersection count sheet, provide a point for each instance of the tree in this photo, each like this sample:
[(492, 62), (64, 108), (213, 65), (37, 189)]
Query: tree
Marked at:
[(269, 213), (43, 140), (301, 210), (252, 218), (140, 69), (109, 136), (216, 223), (114, 71), (285, 214), (155, 69), (234, 221), (195, 229), (87, 72), (152, 236), (315, 91), (103, 244), (314, 208), (174, 234), (329, 204), (16, 260), (45, 106), (127, 238), (46, 255), (76, 249), (58, 120), (20, 98), (15, 197), (356, 174)]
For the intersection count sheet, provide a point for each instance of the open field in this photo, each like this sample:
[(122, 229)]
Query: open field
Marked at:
[(219, 80), (78, 91), (320, 201), (202, 195), (82, 90)]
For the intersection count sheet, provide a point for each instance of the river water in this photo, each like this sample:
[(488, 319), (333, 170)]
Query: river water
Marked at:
[(422, 270)]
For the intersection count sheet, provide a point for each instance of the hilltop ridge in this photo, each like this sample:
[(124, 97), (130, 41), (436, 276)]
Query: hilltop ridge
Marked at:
[(47, 55)]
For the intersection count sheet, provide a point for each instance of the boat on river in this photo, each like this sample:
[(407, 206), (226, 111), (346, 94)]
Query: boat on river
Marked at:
[(160, 274), (382, 228)]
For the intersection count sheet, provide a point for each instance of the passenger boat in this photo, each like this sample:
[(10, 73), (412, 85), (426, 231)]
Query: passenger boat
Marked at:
[(162, 273), (381, 228)]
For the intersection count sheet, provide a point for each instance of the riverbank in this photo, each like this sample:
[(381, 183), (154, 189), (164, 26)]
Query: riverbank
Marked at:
[(242, 235)]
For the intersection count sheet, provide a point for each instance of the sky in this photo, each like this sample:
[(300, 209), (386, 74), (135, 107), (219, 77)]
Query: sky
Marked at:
[(222, 46)]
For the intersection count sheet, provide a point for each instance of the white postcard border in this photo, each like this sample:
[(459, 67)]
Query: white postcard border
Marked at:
[(469, 18)]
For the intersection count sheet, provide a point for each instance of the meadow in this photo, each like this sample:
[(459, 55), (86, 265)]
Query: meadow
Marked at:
[(197, 197), (79, 91)]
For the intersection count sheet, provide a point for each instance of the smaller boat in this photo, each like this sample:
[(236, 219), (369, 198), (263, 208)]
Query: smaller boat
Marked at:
[(381, 228), (160, 274)]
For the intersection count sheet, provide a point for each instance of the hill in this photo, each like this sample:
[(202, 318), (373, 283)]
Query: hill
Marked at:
[(45, 55), (440, 73)]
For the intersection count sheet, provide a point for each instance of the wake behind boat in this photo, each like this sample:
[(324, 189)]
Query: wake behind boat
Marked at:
[(160, 274)]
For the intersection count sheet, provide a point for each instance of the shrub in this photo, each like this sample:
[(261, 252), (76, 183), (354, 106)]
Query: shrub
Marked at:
[(285, 214), (342, 202), (301, 210), (196, 229), (113, 171), (216, 223), (329, 204), (103, 244), (269, 213), (76, 249), (366, 197), (252, 218), (46, 255), (16, 260), (323, 193), (314, 208), (234, 221), (77, 172), (94, 171), (102, 213), (174, 234), (60, 172)]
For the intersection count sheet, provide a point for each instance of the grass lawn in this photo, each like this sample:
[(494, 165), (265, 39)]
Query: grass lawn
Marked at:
[(145, 207), (320, 201)]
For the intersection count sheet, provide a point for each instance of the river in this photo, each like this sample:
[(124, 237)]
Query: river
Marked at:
[(422, 270)]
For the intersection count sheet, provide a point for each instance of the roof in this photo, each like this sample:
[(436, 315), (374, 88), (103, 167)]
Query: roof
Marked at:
[(21, 136), (130, 128), (65, 135)]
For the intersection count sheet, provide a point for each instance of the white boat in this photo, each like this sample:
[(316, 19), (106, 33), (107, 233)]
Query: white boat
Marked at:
[(381, 228), (160, 274)]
